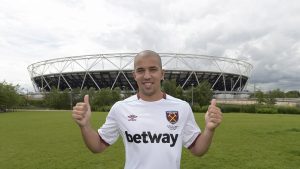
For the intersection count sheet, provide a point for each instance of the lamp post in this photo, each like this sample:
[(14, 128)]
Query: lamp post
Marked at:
[(71, 99), (124, 93), (192, 94)]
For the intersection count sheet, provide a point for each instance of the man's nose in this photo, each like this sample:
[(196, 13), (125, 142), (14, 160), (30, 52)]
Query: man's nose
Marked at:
[(147, 74)]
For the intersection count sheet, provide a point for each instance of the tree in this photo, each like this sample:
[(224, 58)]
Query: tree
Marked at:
[(201, 94), (179, 93), (102, 98), (277, 93), (270, 97), (169, 87), (260, 97), (105, 97), (9, 96), (57, 99), (292, 94), (116, 95)]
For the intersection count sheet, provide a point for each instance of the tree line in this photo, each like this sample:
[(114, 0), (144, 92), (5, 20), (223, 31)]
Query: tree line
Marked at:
[(101, 100), (269, 97)]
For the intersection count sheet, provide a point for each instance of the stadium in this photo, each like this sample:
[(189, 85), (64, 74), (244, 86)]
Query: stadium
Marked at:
[(113, 70)]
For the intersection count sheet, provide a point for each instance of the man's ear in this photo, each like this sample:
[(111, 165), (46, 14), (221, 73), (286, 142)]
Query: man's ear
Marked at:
[(162, 74), (133, 74)]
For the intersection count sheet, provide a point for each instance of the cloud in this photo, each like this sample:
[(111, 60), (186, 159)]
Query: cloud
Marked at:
[(275, 56), (264, 33)]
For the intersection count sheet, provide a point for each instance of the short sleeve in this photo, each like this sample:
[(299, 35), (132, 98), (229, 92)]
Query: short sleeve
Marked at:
[(191, 129), (109, 131)]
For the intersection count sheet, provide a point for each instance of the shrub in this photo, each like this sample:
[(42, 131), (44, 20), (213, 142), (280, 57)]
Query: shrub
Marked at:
[(106, 108), (204, 108), (267, 110), (102, 108), (251, 108), (35, 104), (226, 108), (288, 110), (57, 99), (196, 108)]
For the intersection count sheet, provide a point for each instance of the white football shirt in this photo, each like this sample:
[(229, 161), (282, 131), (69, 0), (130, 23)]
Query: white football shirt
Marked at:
[(153, 132)]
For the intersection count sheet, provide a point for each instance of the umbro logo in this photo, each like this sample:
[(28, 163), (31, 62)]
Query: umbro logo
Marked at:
[(132, 117)]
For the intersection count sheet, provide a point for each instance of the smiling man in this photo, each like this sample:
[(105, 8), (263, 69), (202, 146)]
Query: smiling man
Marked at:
[(148, 74), (154, 126)]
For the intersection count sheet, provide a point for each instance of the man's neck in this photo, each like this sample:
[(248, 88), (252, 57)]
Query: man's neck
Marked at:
[(152, 98)]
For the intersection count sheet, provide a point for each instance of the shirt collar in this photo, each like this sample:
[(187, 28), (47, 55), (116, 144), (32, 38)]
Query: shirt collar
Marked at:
[(164, 96)]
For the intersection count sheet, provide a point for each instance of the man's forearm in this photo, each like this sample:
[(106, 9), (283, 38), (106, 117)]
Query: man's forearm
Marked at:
[(202, 143), (92, 139)]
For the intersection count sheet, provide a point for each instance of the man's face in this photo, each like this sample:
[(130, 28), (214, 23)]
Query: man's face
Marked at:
[(148, 74)]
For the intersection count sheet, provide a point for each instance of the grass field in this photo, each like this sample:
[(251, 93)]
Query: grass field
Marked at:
[(51, 140)]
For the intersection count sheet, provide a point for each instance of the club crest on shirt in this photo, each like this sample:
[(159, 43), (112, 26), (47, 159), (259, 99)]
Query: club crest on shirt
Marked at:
[(172, 116)]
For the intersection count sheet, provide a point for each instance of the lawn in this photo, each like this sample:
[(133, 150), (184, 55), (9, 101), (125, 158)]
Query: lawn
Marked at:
[(51, 140)]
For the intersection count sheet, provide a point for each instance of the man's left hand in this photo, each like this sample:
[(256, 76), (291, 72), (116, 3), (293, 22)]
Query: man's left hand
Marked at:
[(213, 116)]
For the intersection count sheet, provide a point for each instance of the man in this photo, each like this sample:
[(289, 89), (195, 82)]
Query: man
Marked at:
[(154, 126)]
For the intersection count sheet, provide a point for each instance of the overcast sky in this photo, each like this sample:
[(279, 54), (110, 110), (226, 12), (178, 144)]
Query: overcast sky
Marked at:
[(265, 33)]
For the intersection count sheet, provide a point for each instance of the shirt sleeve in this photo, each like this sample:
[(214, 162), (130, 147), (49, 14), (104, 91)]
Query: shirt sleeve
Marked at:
[(109, 131), (191, 129)]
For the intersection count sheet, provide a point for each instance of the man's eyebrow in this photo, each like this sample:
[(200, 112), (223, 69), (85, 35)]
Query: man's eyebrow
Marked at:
[(139, 68), (151, 67)]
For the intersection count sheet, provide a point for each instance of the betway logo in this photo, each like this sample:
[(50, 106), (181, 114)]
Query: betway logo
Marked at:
[(148, 137)]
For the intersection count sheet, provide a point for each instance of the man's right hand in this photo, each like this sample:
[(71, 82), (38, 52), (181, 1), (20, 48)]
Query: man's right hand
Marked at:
[(82, 112)]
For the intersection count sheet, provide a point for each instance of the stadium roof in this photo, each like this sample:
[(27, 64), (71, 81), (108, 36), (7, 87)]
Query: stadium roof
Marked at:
[(115, 70)]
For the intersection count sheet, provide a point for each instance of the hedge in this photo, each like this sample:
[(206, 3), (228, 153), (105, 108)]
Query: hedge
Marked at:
[(251, 108)]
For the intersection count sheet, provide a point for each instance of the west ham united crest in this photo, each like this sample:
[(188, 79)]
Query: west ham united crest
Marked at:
[(172, 116)]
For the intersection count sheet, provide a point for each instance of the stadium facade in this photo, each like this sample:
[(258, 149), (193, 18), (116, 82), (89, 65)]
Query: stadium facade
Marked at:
[(99, 71)]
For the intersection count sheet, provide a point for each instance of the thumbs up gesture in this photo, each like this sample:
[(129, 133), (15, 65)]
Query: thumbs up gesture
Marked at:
[(82, 112), (213, 116)]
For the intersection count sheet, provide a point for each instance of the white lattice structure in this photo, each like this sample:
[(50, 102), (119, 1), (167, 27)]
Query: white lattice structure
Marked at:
[(115, 70)]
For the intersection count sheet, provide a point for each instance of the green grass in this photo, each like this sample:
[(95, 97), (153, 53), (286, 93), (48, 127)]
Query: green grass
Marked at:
[(51, 140)]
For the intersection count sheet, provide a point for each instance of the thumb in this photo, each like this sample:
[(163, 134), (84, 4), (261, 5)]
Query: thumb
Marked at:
[(213, 102), (86, 99)]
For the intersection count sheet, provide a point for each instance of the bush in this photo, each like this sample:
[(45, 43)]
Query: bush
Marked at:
[(3, 108), (196, 108), (57, 99), (34, 104), (267, 110), (288, 110), (228, 108), (251, 108), (102, 108), (204, 108), (199, 109)]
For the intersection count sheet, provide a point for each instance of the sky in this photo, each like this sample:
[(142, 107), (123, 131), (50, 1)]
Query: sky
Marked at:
[(265, 33)]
